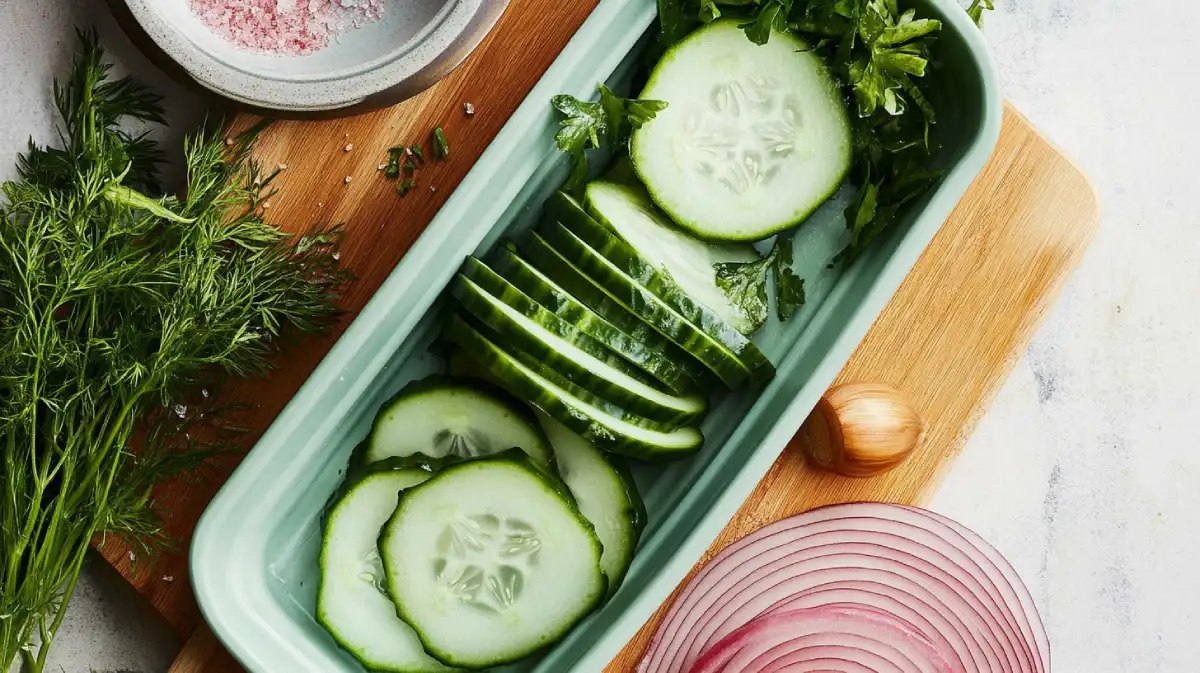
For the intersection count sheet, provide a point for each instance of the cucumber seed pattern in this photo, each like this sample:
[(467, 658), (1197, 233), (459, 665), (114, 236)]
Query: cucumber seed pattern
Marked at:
[(483, 560), (464, 444), (715, 143)]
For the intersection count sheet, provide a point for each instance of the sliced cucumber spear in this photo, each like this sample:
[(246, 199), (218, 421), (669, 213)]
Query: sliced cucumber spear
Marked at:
[(351, 603), (490, 561), (753, 140), (621, 435), (620, 256), (606, 495), (558, 301), (540, 338), (546, 260), (438, 417), (581, 258), (689, 263)]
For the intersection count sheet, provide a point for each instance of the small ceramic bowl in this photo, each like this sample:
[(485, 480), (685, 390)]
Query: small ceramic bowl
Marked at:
[(413, 45)]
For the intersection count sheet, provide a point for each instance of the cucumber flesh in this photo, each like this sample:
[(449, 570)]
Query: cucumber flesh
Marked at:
[(690, 262), (351, 602), (490, 561), (611, 433), (627, 292), (606, 495), (753, 140), (438, 417), (534, 332), (558, 301), (663, 290), (550, 262)]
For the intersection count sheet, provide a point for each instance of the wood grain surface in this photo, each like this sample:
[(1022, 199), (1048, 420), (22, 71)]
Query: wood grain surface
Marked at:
[(948, 338)]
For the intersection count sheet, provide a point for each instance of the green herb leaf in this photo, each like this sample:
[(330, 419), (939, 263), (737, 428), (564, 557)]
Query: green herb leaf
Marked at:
[(745, 283), (623, 115), (975, 11), (709, 11), (392, 169), (674, 22), (416, 152), (591, 125), (907, 30), (772, 15), (441, 148), (120, 309), (614, 115), (882, 56), (406, 186), (863, 211), (583, 126), (789, 288)]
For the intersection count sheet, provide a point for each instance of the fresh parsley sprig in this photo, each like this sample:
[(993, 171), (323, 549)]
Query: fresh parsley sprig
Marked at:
[(977, 8), (592, 125), (745, 283)]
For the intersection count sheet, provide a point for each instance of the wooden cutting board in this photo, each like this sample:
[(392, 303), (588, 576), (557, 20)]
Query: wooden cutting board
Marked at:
[(948, 338)]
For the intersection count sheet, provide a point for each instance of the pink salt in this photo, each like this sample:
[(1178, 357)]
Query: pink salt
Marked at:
[(288, 27)]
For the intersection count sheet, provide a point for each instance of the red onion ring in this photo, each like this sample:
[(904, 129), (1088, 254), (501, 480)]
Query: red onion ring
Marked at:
[(937, 577), (867, 556), (1004, 576), (864, 636)]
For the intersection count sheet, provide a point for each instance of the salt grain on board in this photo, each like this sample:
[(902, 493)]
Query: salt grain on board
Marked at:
[(286, 27)]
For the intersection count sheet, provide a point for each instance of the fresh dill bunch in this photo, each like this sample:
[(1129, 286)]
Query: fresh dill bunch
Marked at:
[(114, 307)]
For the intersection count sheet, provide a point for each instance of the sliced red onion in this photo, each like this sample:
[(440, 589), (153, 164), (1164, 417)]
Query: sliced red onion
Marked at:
[(933, 575), (867, 637), (854, 554), (1005, 577)]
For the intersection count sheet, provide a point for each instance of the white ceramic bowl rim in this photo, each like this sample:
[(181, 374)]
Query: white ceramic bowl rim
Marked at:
[(225, 70)]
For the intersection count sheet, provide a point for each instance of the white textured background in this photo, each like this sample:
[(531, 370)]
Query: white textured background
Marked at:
[(1086, 473)]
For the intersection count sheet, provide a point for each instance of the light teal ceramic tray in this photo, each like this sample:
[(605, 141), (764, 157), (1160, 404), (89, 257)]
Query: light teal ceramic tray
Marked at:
[(254, 555)]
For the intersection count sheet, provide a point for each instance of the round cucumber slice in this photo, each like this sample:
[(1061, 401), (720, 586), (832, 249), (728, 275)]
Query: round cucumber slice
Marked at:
[(489, 562), (615, 434), (753, 140), (606, 495), (439, 417), (351, 602), (540, 338)]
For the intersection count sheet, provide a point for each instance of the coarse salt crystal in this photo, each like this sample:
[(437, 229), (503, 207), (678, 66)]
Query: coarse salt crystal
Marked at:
[(291, 27)]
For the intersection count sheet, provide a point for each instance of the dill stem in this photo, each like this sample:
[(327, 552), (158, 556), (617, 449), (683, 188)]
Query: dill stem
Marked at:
[(120, 423)]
